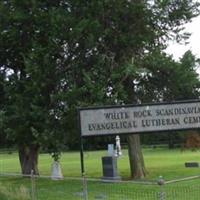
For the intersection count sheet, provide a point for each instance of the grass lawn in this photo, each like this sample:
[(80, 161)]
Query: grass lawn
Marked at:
[(168, 163), (20, 189)]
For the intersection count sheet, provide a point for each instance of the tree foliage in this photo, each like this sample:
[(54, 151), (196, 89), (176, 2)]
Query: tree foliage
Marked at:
[(32, 57)]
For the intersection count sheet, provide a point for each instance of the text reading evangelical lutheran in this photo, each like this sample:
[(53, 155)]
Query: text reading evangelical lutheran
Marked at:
[(140, 119)]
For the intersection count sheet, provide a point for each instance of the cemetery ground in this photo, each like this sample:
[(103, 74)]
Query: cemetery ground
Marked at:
[(159, 162)]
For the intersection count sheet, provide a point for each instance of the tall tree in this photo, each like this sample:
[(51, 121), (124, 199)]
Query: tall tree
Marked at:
[(32, 55), (123, 35)]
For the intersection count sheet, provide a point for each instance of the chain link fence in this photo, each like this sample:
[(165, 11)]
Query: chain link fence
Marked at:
[(43, 188)]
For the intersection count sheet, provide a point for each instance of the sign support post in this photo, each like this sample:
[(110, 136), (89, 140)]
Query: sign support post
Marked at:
[(82, 157), (81, 146), (85, 193)]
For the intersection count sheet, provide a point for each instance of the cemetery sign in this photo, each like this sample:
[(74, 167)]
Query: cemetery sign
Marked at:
[(139, 118)]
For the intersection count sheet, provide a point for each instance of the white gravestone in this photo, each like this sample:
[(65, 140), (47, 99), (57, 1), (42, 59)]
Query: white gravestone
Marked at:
[(111, 151), (56, 171)]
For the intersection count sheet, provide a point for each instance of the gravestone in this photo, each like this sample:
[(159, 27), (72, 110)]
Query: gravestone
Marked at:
[(56, 173), (192, 164), (110, 171), (111, 151)]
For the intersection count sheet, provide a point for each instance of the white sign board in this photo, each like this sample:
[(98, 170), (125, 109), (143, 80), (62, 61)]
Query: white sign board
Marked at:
[(142, 118)]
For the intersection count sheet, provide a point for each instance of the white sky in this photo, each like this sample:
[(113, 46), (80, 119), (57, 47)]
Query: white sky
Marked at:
[(194, 41)]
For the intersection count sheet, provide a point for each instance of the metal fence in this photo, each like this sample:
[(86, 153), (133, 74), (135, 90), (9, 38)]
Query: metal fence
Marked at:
[(43, 188)]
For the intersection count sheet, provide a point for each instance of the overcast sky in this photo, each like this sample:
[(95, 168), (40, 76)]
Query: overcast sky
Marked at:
[(194, 42)]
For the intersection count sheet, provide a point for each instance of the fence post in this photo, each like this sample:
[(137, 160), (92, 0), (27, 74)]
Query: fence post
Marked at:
[(85, 190), (161, 183), (33, 191)]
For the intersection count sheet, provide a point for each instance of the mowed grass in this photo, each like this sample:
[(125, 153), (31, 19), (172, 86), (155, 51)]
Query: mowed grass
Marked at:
[(20, 189), (165, 162), (158, 162)]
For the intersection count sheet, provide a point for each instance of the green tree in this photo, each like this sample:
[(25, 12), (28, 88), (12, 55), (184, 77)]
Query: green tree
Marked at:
[(168, 80), (32, 55), (115, 40)]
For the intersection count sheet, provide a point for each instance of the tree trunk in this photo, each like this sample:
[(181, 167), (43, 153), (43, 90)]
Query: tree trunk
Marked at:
[(136, 159), (28, 157)]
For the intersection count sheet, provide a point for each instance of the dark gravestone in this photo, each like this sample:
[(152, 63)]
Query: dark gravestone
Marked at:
[(191, 164), (110, 171)]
